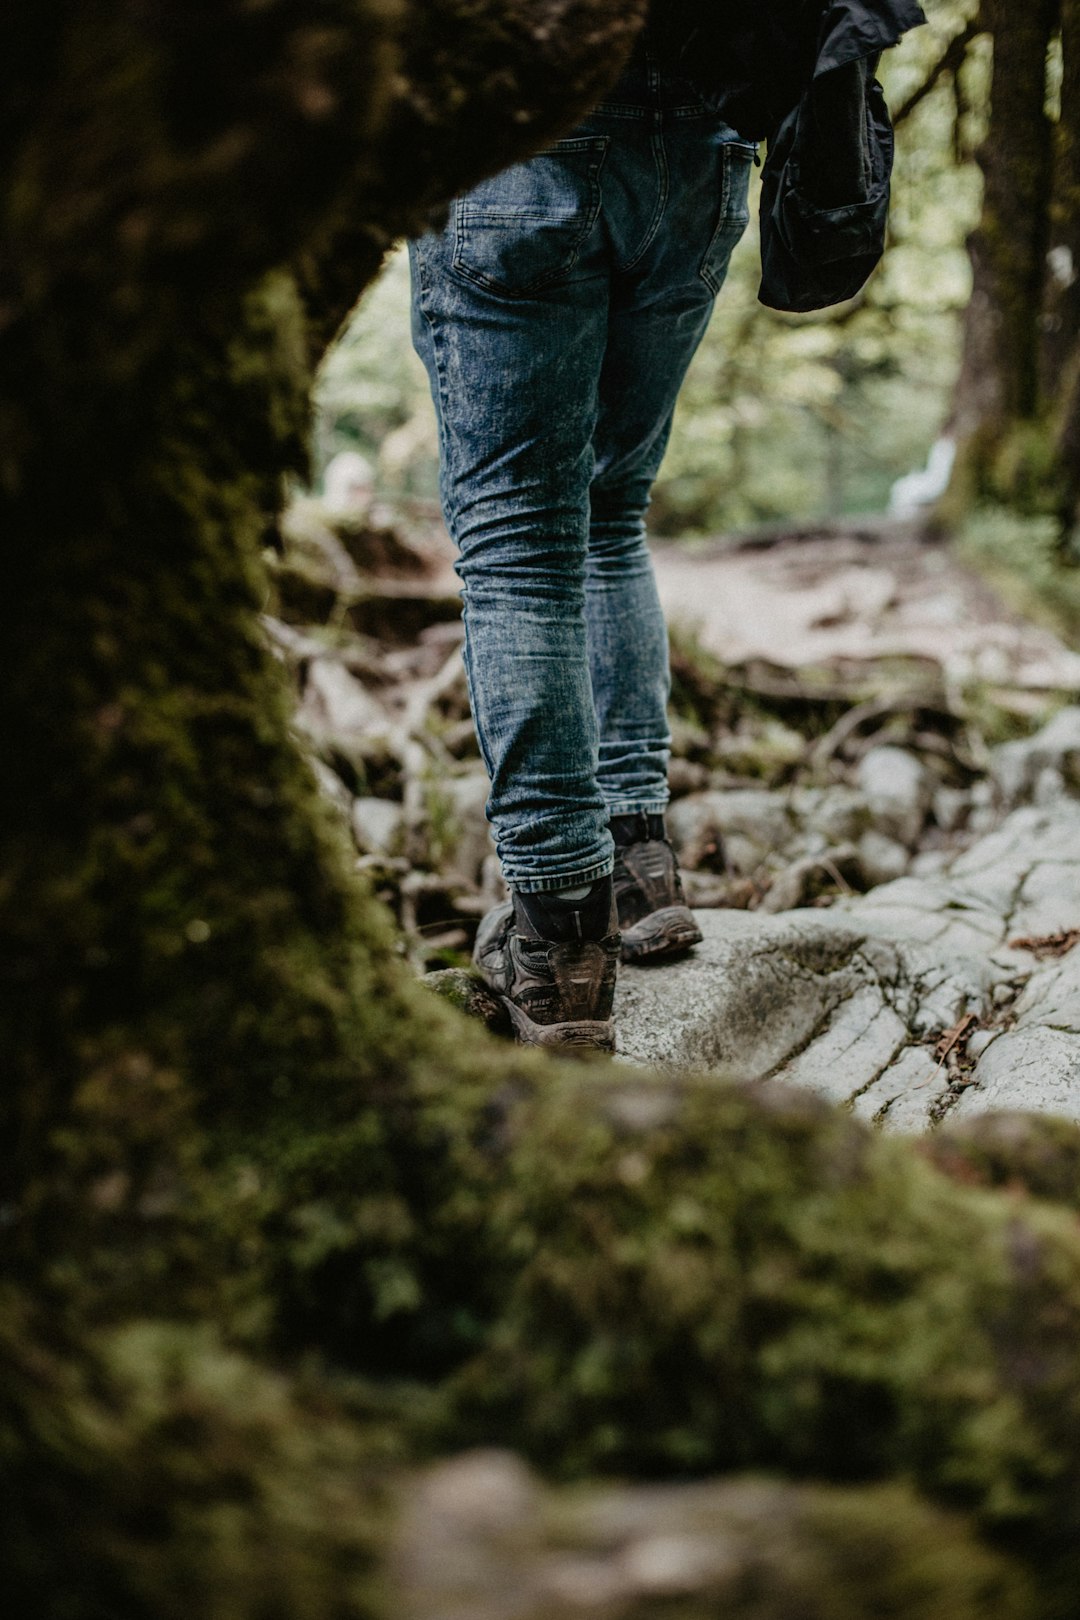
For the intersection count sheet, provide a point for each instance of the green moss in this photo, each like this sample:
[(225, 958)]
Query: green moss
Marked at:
[(177, 1477), (1019, 557), (1024, 471), (1024, 1154), (733, 1282), (884, 1553)]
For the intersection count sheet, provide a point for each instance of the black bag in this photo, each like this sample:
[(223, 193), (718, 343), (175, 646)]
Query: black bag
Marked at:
[(826, 184), (800, 73), (816, 250)]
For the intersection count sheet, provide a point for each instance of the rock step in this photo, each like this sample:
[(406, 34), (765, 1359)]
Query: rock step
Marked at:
[(946, 995)]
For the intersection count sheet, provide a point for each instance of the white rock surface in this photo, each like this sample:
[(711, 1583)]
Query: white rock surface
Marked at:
[(852, 1002), (377, 825), (1041, 766), (337, 711), (899, 790), (883, 859)]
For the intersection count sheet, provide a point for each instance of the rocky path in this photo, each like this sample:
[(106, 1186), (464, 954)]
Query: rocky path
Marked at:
[(927, 997), (874, 592), (890, 895), (949, 991)]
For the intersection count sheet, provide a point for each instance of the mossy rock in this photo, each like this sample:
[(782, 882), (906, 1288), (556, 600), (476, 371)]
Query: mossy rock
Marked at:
[(154, 1473), (471, 996), (1023, 1154), (686, 1279)]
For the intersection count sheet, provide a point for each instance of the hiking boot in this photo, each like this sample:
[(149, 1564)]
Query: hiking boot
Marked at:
[(655, 919), (552, 963)]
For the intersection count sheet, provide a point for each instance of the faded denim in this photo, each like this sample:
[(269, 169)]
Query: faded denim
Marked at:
[(557, 314)]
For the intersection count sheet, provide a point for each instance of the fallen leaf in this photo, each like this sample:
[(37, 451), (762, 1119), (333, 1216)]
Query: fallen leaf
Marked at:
[(952, 1038), (1047, 945)]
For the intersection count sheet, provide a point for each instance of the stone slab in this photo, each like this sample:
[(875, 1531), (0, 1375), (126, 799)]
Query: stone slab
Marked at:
[(850, 1001)]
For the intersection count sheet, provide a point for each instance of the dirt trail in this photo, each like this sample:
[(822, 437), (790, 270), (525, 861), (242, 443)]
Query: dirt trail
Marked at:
[(874, 593)]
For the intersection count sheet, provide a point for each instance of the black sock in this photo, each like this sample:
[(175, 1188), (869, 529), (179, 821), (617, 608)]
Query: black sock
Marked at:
[(554, 917), (636, 829)]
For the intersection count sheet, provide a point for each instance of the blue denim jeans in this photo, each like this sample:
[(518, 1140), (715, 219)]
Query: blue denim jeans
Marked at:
[(557, 314)]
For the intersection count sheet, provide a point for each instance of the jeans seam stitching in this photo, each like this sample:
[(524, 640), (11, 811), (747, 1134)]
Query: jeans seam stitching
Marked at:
[(726, 219), (446, 461), (661, 205)]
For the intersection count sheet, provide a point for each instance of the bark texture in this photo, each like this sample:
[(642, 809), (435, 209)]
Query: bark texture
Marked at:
[(1016, 409), (1008, 251), (176, 922)]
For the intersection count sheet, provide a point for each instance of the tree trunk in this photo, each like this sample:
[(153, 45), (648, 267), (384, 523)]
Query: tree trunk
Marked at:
[(1016, 409), (1060, 320), (176, 919), (999, 374)]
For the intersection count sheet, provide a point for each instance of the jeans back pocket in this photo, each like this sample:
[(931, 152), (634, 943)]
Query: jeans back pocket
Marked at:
[(525, 228)]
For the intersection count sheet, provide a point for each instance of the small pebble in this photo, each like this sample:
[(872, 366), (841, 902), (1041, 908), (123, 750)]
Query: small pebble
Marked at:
[(978, 1042)]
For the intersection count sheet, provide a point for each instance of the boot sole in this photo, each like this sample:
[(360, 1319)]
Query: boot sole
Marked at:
[(668, 932), (596, 1033)]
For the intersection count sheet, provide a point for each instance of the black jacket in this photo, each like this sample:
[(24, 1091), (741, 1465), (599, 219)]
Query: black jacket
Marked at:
[(800, 75)]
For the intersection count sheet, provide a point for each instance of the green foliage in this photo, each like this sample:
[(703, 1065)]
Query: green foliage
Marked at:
[(1020, 556), (372, 391)]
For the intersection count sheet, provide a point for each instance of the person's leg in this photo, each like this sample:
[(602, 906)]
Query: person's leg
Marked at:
[(661, 304), (662, 298), (510, 317)]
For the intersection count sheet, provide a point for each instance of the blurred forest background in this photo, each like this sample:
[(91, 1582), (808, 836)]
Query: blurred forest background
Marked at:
[(781, 417), (966, 333)]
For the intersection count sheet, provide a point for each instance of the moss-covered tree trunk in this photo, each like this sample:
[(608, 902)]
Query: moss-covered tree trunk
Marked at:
[(211, 1053), (999, 378), (177, 927), (1061, 318)]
